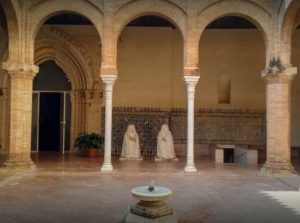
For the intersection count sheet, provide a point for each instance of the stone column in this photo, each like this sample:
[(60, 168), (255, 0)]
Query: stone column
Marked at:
[(19, 112), (278, 121), (109, 81), (191, 82)]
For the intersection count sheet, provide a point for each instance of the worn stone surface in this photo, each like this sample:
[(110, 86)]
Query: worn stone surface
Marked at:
[(132, 218), (71, 189)]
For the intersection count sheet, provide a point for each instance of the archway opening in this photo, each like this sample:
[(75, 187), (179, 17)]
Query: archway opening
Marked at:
[(3, 57), (68, 52), (231, 92), (149, 85), (51, 109)]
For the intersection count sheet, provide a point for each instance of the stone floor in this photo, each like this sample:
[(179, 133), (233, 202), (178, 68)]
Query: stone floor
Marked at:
[(70, 189)]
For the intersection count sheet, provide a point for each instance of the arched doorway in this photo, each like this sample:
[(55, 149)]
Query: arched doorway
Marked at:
[(232, 89), (51, 109), (71, 79), (149, 85)]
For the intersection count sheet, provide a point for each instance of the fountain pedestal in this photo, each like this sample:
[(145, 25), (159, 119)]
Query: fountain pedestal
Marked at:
[(151, 208)]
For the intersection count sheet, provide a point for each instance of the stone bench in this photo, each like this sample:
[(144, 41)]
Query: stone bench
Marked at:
[(237, 154)]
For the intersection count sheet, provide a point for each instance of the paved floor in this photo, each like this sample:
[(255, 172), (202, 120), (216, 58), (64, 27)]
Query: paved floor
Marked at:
[(71, 189)]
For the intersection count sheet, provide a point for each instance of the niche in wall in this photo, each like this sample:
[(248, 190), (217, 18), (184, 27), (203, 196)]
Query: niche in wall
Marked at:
[(224, 89)]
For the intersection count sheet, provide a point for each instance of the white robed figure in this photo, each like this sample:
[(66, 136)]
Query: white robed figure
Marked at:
[(165, 144), (131, 144)]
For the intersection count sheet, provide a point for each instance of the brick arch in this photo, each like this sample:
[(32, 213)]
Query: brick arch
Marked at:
[(138, 8), (67, 58), (250, 11), (10, 9), (41, 12), (288, 26)]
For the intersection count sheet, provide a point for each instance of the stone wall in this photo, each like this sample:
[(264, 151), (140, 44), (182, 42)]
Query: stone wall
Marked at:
[(212, 126)]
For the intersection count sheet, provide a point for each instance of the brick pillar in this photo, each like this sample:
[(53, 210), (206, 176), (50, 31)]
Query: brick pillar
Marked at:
[(278, 122), (18, 113)]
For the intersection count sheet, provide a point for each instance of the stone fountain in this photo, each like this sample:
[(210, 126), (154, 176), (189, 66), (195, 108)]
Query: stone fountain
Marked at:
[(151, 207)]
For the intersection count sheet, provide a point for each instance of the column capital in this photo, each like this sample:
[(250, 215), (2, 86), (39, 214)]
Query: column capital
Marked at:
[(77, 96), (93, 96), (276, 75), (191, 80), (109, 79), (20, 70)]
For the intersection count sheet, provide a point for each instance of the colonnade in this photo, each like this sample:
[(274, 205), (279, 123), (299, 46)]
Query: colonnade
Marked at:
[(190, 17)]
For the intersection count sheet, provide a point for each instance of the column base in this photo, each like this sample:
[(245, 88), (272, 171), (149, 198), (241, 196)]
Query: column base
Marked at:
[(106, 168), (190, 169), (273, 169), (18, 164)]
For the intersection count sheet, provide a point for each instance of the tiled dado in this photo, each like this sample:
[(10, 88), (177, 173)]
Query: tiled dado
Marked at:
[(212, 126), (147, 122)]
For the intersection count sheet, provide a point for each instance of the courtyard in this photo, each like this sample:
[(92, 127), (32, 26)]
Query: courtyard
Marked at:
[(213, 83), (72, 189)]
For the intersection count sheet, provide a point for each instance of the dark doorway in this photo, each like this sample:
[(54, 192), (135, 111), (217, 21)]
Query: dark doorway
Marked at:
[(228, 155), (49, 137), (51, 109)]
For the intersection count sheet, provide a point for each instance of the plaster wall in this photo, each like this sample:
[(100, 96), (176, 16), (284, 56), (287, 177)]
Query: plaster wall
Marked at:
[(150, 62), (150, 67), (238, 54)]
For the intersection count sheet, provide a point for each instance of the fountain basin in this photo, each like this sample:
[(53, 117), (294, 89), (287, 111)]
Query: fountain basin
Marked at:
[(151, 207), (144, 194)]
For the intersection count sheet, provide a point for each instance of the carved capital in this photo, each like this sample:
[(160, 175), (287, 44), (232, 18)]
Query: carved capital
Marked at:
[(20, 70), (93, 96), (77, 96), (191, 81), (284, 76), (109, 79)]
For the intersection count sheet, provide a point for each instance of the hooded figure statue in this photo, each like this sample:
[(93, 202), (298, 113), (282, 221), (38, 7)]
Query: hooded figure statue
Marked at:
[(131, 144), (165, 144)]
